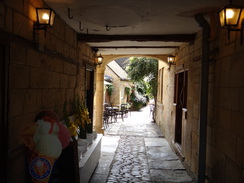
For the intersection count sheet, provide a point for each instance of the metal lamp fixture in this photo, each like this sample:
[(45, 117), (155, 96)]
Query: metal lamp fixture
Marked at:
[(230, 18), (99, 59), (171, 60), (45, 19)]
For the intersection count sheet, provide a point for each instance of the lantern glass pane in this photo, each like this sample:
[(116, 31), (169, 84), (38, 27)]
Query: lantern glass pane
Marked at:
[(232, 16), (99, 59), (171, 59), (222, 17), (43, 16), (52, 18)]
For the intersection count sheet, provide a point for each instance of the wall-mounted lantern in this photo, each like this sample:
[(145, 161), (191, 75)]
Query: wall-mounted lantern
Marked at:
[(230, 18), (98, 58), (45, 18), (171, 60)]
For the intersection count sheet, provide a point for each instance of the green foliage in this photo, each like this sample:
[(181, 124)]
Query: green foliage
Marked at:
[(137, 99), (110, 89), (143, 71), (141, 87), (127, 90)]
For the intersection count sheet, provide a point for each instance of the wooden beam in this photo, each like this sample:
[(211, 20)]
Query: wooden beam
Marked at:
[(139, 38), (135, 47), (128, 47)]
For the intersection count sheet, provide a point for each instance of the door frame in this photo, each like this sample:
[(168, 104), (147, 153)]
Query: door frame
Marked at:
[(180, 99), (89, 99), (4, 67)]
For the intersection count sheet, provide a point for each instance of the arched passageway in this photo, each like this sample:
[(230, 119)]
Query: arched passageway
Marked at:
[(140, 150), (99, 87)]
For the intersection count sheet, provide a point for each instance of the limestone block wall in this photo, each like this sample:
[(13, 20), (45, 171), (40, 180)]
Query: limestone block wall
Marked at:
[(118, 96), (114, 98), (42, 75), (188, 59), (165, 108), (226, 147), (225, 144)]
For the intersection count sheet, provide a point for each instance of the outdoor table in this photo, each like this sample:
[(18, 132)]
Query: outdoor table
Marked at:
[(114, 108)]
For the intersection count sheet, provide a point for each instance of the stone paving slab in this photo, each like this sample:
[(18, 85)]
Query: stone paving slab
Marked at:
[(167, 165), (154, 128), (98, 178), (157, 149), (170, 176), (162, 156), (109, 144), (156, 142), (103, 166)]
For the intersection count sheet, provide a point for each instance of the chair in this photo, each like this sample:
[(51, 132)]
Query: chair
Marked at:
[(110, 113), (120, 113), (124, 109), (128, 110), (105, 119)]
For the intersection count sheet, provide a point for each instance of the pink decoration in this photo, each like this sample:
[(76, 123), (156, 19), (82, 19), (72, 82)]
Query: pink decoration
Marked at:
[(63, 135)]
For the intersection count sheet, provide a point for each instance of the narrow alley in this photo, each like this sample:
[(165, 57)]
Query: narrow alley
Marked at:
[(61, 60), (134, 150)]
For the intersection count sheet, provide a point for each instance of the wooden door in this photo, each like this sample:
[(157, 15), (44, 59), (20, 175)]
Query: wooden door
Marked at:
[(181, 101)]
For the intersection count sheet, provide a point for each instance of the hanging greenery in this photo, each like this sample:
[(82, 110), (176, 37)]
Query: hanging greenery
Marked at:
[(127, 91), (110, 89)]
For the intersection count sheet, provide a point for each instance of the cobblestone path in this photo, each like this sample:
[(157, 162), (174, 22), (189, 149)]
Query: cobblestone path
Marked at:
[(130, 161)]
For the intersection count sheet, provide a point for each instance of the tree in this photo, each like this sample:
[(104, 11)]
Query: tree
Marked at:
[(144, 70)]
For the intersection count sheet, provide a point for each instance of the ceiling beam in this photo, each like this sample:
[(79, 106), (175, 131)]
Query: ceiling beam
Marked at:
[(135, 47), (140, 38)]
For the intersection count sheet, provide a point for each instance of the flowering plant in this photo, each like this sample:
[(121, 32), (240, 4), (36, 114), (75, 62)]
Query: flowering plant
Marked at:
[(137, 99), (72, 127), (82, 117)]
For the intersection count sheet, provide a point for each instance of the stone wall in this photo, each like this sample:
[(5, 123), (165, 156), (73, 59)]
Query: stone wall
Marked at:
[(188, 59), (225, 139), (42, 75), (226, 148), (118, 85)]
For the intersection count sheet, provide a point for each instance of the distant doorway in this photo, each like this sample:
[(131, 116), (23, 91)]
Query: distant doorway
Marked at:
[(180, 99), (90, 91)]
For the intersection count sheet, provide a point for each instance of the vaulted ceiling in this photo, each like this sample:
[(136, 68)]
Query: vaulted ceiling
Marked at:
[(133, 27)]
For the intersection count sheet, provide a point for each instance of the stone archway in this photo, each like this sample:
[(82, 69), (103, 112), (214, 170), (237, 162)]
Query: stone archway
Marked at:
[(99, 86)]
